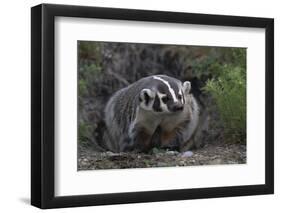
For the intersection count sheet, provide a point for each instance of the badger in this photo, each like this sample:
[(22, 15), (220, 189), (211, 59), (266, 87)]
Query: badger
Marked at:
[(154, 111)]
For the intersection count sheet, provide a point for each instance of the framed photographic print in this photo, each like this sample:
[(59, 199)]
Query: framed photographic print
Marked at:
[(139, 106)]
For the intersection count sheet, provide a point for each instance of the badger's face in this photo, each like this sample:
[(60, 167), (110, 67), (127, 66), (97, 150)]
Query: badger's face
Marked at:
[(166, 95)]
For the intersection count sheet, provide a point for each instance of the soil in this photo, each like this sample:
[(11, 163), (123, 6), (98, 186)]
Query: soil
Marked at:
[(210, 154)]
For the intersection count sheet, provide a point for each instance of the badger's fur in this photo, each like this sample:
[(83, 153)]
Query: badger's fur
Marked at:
[(156, 110)]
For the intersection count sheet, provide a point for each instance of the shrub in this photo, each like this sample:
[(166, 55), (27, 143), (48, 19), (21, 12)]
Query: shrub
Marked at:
[(84, 132), (229, 93)]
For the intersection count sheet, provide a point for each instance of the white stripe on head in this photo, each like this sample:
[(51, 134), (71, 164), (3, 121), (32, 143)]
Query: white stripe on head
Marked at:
[(169, 87)]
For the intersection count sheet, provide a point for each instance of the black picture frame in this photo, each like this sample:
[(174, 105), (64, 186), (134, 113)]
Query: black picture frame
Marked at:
[(43, 105)]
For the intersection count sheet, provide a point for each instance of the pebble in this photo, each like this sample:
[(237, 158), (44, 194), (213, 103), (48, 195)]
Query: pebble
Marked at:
[(84, 163), (171, 152), (182, 163), (108, 153), (155, 151), (187, 154)]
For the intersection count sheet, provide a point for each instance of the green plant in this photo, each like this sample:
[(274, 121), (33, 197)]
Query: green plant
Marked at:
[(82, 87), (84, 131), (229, 93), (89, 50)]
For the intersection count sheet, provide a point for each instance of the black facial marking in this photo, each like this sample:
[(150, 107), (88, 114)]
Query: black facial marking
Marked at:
[(156, 104), (146, 98), (165, 99), (179, 97), (163, 89)]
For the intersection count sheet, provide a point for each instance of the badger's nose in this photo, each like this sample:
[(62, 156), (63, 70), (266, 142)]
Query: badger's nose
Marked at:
[(177, 107)]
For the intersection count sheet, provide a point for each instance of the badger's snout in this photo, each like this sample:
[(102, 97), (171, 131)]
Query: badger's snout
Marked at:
[(177, 107)]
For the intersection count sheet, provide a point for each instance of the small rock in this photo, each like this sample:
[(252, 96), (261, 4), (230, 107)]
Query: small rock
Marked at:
[(108, 153), (187, 154), (182, 163), (84, 163), (155, 151), (171, 152)]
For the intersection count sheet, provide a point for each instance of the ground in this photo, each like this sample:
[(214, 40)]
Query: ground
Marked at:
[(210, 154)]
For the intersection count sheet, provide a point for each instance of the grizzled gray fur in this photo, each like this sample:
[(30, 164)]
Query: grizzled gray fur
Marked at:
[(154, 111)]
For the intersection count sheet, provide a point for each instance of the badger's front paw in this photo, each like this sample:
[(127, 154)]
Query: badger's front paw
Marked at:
[(187, 146), (128, 145), (174, 145), (138, 143)]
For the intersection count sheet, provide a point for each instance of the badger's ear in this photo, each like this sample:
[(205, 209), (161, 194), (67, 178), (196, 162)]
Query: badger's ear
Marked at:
[(186, 87), (146, 95)]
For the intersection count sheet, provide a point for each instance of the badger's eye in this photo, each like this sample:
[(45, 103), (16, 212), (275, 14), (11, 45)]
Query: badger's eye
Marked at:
[(165, 99), (180, 96)]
